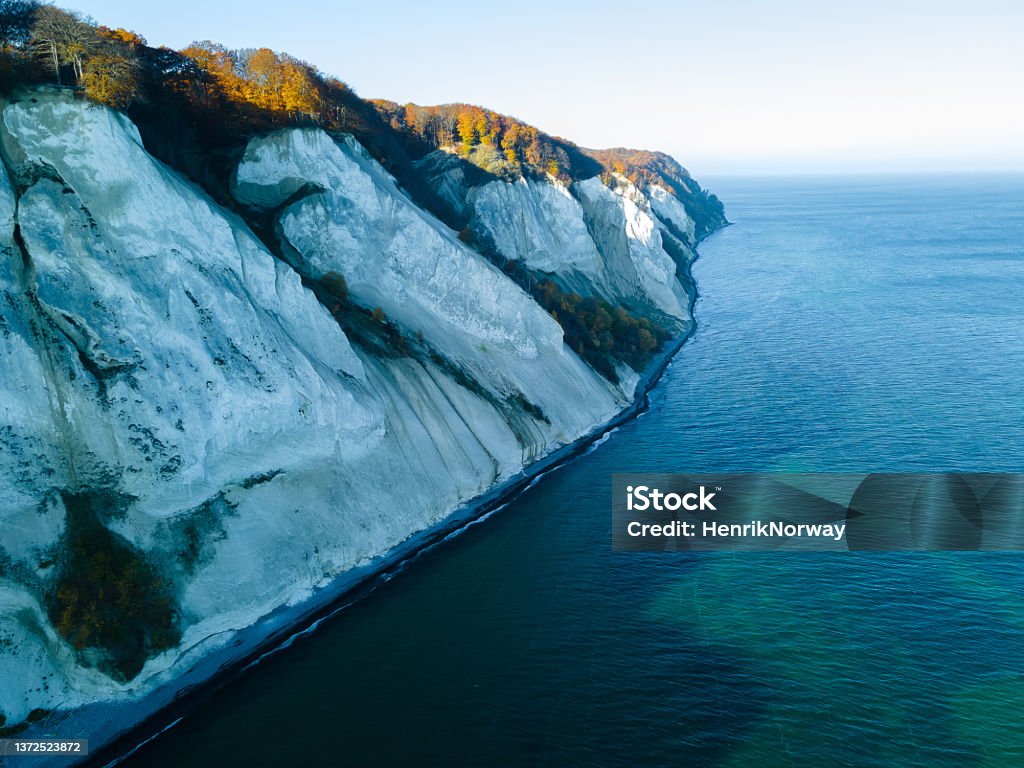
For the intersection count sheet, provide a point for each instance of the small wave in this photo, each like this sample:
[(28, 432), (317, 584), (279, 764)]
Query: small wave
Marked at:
[(602, 440), (141, 744), (289, 641)]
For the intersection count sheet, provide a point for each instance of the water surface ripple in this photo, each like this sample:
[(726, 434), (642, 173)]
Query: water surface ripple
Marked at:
[(844, 324)]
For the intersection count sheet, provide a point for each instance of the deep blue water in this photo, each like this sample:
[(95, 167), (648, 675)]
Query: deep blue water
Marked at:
[(844, 324)]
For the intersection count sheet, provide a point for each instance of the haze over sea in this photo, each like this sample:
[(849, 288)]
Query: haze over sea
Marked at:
[(848, 324)]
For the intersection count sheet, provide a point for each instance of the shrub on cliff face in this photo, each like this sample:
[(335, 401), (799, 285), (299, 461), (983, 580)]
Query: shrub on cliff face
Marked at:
[(335, 283), (106, 597), (600, 333)]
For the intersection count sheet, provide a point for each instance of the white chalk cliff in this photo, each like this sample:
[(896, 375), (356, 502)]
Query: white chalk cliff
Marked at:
[(606, 240), (160, 362)]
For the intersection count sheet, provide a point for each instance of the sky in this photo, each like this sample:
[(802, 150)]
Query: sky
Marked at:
[(725, 86)]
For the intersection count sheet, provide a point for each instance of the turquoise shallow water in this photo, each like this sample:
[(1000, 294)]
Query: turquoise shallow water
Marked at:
[(844, 324)]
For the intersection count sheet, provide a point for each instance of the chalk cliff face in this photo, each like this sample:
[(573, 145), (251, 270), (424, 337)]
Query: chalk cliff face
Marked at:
[(353, 220), (171, 385), (602, 239)]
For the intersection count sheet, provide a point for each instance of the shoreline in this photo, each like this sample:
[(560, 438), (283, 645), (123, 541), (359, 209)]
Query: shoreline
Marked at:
[(119, 729)]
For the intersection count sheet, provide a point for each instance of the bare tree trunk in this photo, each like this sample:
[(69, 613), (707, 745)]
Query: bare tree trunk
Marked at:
[(56, 62)]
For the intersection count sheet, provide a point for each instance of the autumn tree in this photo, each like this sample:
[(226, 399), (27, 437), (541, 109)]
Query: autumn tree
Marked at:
[(262, 72), (509, 143), (417, 119), (181, 74), (446, 124), (121, 36), (216, 67), (534, 151), (467, 124), (264, 79), (299, 92), (110, 79), (61, 37), (483, 128)]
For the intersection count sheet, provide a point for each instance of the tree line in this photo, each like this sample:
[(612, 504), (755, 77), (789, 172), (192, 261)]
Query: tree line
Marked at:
[(196, 108), (507, 146), (226, 95), (497, 142), (43, 43)]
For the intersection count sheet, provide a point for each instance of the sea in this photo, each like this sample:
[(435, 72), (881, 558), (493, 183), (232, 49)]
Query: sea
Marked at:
[(848, 324)]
